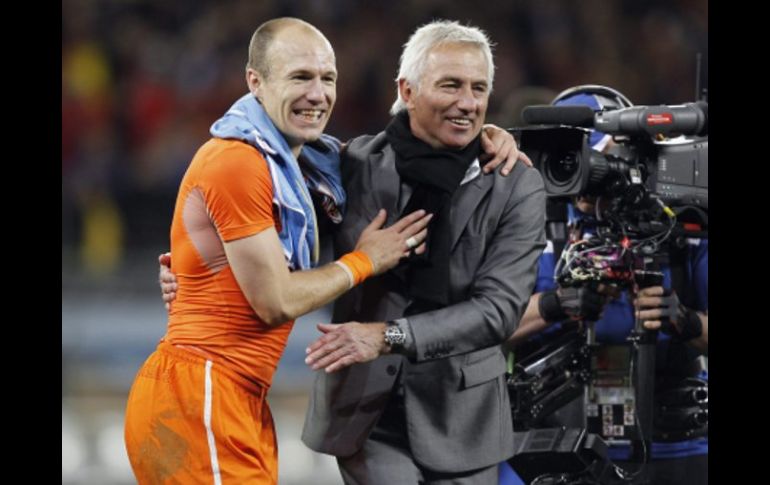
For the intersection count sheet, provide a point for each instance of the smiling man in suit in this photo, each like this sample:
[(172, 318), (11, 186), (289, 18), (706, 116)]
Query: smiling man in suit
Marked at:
[(412, 388)]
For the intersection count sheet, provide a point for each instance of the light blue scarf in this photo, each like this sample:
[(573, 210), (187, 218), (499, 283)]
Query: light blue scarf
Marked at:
[(246, 120)]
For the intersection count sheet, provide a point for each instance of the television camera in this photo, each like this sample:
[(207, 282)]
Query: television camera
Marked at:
[(644, 169)]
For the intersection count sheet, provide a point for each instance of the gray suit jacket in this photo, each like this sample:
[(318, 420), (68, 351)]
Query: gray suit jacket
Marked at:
[(457, 409)]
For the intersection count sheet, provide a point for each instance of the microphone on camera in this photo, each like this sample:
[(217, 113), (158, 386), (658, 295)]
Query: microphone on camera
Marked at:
[(685, 119)]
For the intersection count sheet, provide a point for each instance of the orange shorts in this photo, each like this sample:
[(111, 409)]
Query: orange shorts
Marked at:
[(190, 420)]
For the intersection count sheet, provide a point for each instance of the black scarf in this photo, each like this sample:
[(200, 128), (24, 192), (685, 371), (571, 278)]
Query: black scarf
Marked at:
[(434, 174)]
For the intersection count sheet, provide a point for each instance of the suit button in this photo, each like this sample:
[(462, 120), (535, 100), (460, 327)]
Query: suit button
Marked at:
[(391, 370)]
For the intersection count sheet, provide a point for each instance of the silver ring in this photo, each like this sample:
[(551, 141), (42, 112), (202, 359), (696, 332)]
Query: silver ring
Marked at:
[(412, 243)]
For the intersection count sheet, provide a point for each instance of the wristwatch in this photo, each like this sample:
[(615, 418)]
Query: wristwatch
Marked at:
[(394, 335)]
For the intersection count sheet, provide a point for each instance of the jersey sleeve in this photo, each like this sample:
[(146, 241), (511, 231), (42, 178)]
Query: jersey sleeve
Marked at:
[(239, 192)]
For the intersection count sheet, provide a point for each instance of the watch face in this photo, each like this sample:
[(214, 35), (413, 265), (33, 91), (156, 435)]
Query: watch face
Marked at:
[(394, 335)]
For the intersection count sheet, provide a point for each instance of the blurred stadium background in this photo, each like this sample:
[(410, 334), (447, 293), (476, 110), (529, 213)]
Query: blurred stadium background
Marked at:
[(141, 83)]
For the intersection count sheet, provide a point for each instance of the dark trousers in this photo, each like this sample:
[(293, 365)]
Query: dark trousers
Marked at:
[(386, 458)]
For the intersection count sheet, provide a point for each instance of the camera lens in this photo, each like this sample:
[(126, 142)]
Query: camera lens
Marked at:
[(561, 169)]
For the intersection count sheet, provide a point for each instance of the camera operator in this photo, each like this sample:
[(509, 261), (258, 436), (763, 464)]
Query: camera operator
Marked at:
[(678, 308)]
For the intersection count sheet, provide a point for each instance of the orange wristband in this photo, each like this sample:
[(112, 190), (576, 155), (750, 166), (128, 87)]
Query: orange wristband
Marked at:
[(359, 265)]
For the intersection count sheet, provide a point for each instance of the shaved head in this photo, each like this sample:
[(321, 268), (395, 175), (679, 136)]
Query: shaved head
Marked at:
[(267, 33)]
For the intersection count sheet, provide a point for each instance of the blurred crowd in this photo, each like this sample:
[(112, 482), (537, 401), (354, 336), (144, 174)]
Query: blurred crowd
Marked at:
[(143, 80)]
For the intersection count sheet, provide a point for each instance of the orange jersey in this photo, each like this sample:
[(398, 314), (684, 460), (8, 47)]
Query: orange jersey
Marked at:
[(226, 194)]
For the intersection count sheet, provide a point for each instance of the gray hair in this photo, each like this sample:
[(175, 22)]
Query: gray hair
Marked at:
[(427, 37)]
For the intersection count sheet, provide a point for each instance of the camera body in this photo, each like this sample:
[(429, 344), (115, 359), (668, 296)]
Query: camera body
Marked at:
[(676, 171), (654, 169), (636, 178)]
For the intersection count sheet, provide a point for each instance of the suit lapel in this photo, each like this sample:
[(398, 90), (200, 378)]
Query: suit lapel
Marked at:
[(384, 184), (464, 203)]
